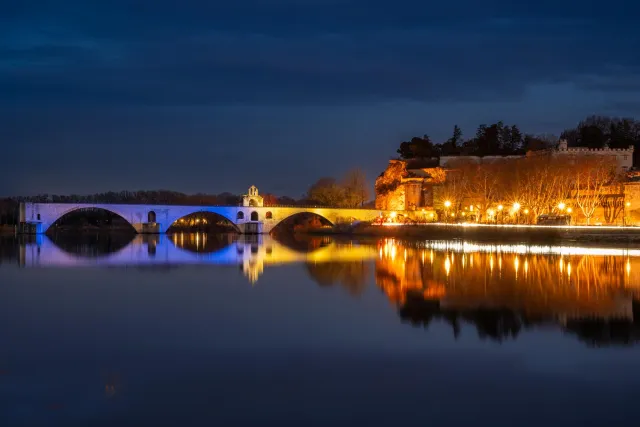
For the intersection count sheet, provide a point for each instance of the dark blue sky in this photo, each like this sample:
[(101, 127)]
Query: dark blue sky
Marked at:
[(212, 96)]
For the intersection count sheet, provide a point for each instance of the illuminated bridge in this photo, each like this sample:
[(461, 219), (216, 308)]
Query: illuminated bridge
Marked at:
[(251, 217)]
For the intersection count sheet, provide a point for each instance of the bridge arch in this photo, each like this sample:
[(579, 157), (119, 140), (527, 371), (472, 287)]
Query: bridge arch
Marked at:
[(55, 219), (299, 218), (201, 219)]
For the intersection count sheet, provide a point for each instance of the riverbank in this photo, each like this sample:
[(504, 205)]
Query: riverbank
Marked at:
[(503, 233), (7, 230)]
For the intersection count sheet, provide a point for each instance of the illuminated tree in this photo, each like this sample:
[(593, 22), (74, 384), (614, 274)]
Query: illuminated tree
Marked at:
[(326, 192), (356, 191), (594, 175)]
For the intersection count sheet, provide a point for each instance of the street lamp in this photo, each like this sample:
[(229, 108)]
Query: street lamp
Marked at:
[(516, 209), (561, 206), (624, 213), (447, 205)]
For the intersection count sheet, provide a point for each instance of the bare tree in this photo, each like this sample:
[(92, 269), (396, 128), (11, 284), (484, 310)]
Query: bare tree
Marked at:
[(356, 191), (594, 174)]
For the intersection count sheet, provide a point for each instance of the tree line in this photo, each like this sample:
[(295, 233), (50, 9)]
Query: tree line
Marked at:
[(529, 186), (503, 139)]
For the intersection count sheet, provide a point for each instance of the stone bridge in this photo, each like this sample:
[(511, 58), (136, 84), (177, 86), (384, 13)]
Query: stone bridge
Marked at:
[(158, 218)]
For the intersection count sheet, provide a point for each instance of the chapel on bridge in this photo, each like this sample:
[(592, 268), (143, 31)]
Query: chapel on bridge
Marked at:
[(252, 198)]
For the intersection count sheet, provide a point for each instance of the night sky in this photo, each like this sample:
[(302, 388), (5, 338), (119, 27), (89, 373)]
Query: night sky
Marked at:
[(211, 96)]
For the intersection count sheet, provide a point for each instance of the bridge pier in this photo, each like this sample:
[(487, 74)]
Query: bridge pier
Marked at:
[(148, 228), (30, 227)]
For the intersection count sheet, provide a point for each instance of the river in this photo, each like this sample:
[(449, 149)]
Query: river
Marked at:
[(196, 329)]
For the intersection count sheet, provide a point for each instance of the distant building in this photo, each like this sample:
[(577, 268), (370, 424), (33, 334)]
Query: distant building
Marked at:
[(408, 184), (622, 156)]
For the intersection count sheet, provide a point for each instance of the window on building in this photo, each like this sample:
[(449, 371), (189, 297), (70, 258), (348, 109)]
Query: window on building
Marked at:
[(240, 215), (268, 215)]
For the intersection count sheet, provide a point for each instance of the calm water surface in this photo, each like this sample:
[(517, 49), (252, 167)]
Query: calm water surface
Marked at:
[(211, 330)]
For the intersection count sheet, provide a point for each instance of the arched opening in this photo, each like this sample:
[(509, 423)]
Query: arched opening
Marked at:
[(240, 215), (301, 222), (91, 232), (203, 222), (254, 216), (151, 217), (90, 220), (38, 217), (268, 215), (253, 202)]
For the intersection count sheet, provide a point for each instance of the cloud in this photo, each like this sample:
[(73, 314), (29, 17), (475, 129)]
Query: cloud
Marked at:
[(311, 52)]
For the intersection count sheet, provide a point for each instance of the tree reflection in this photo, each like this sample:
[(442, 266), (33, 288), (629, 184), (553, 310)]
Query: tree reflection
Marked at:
[(503, 291), (351, 275)]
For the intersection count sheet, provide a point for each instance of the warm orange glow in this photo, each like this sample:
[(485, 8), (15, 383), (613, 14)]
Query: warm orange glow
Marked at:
[(500, 207), (447, 204), (516, 206), (587, 285), (561, 206)]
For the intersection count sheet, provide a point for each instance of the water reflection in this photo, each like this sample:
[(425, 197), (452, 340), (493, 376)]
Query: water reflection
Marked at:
[(503, 290), (500, 290)]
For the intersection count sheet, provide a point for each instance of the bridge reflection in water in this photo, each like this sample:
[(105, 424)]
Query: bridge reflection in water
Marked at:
[(253, 253), (501, 290)]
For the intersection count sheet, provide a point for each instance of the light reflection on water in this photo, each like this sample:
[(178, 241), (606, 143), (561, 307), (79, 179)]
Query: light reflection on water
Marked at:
[(95, 337), (500, 289)]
